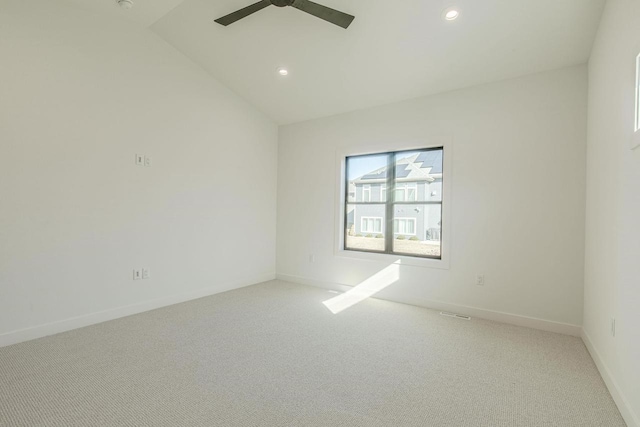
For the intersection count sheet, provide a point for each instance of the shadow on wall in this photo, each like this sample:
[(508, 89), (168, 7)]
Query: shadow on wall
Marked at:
[(367, 288)]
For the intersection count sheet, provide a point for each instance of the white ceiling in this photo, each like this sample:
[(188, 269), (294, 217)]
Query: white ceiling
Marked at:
[(144, 12), (394, 50)]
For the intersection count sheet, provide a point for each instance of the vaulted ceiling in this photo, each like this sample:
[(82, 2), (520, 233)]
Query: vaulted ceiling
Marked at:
[(394, 50)]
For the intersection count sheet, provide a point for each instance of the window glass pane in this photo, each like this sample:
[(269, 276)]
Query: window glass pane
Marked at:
[(420, 173), (365, 227), (367, 170), (417, 229), (411, 194)]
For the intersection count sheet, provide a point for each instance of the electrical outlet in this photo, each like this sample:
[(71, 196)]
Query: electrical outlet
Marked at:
[(312, 258), (146, 273), (480, 280), (613, 327), (140, 159), (148, 161), (137, 274)]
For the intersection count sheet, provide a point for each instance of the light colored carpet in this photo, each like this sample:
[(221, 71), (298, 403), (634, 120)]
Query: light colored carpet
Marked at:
[(273, 355)]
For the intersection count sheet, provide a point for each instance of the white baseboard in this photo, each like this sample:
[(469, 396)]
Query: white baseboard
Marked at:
[(627, 412), (481, 313), (27, 334)]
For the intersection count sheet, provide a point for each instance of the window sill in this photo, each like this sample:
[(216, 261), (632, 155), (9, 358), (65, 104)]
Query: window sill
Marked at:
[(442, 264)]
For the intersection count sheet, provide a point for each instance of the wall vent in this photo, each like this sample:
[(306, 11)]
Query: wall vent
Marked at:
[(457, 316)]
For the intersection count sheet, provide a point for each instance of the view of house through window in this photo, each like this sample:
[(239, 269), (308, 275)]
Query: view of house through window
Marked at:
[(394, 203)]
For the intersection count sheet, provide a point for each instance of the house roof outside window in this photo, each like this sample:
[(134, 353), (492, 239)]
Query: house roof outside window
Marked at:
[(422, 166)]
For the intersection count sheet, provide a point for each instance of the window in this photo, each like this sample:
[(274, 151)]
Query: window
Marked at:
[(404, 226), (371, 225), (407, 218), (406, 192), (366, 193)]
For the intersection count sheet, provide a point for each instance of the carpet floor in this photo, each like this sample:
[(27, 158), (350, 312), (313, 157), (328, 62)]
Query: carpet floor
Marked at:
[(273, 355)]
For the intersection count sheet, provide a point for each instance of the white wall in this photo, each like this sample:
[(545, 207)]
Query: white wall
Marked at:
[(517, 213), (80, 95), (612, 268)]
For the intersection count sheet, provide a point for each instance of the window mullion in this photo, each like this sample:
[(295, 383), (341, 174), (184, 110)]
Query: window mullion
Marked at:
[(391, 192)]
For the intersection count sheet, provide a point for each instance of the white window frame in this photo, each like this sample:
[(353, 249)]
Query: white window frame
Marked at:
[(367, 188), (362, 230), (383, 192), (415, 223), (339, 202), (635, 137)]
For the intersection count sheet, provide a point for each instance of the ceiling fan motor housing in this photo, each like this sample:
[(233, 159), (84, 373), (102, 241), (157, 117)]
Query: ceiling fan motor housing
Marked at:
[(281, 3)]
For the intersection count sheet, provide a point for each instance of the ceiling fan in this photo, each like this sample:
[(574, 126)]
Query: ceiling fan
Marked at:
[(330, 15)]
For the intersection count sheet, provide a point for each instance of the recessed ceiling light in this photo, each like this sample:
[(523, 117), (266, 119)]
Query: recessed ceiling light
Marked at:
[(125, 4), (451, 14), (283, 71)]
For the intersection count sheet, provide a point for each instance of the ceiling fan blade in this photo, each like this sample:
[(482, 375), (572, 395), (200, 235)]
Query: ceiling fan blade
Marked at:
[(341, 19), (242, 13)]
